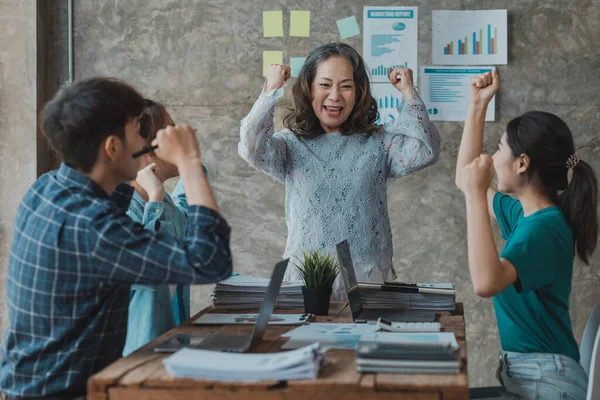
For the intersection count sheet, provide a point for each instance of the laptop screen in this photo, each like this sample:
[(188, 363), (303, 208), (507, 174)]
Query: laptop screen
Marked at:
[(349, 277), (268, 304)]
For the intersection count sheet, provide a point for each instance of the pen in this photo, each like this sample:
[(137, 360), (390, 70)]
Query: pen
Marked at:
[(143, 151)]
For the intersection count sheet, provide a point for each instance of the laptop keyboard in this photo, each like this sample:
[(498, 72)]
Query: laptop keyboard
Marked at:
[(234, 343)]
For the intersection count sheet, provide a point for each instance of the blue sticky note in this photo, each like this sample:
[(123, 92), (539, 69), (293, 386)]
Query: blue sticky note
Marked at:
[(296, 64), (348, 27)]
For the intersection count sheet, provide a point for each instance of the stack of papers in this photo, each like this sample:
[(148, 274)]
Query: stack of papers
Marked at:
[(304, 363), (336, 336), (420, 296), (240, 292), (408, 353)]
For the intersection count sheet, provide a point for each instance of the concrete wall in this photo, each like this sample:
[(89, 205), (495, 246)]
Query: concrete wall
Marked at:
[(18, 107), (203, 60)]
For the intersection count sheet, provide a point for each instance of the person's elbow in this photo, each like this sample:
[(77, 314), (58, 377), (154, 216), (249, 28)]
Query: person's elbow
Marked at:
[(243, 151), (225, 270), (486, 288), (458, 181), (484, 291), (215, 268), (209, 254), (433, 156), (435, 148), (220, 260)]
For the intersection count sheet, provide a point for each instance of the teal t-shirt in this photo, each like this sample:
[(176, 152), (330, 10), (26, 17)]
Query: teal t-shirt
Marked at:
[(533, 314)]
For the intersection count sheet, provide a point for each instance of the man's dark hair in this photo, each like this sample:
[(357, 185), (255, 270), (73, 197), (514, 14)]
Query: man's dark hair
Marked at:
[(81, 116)]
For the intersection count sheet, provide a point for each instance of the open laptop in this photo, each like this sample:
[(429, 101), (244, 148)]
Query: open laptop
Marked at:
[(233, 343), (362, 315)]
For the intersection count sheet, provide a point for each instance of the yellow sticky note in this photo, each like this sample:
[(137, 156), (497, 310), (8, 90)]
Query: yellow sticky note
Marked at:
[(271, 57), (272, 23), (300, 23)]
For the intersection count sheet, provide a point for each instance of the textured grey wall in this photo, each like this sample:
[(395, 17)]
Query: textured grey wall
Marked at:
[(204, 60), (17, 118)]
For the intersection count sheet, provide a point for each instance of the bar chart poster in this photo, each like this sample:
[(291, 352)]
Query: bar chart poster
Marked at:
[(388, 99), (445, 92), (469, 37), (390, 39)]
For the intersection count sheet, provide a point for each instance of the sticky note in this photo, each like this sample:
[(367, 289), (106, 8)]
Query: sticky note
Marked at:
[(272, 23), (300, 23), (348, 27), (296, 64), (271, 57)]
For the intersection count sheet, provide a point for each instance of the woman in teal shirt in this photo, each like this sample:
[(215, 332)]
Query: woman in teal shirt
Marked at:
[(552, 218), (153, 309)]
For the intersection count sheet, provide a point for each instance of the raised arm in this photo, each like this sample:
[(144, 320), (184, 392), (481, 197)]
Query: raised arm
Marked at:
[(483, 88), (128, 254), (178, 194), (152, 213), (125, 253), (412, 141), (179, 146), (258, 146), (490, 274)]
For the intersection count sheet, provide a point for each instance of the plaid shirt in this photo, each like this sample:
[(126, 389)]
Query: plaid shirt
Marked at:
[(74, 256)]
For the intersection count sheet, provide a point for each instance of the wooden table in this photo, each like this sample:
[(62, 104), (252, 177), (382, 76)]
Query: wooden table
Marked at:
[(141, 375)]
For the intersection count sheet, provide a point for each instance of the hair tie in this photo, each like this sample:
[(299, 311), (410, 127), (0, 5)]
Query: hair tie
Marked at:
[(572, 161)]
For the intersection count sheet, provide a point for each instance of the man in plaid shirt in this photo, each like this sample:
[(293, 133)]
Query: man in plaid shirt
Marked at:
[(75, 253)]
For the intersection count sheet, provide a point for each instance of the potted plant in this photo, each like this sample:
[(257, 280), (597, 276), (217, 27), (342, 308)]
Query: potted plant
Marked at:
[(318, 273)]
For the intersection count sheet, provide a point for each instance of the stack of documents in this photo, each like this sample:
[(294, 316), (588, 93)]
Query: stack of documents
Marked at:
[(408, 353), (419, 296), (303, 363), (336, 336), (240, 292)]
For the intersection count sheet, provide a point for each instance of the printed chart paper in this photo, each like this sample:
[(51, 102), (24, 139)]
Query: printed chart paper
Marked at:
[(445, 92), (388, 99), (390, 39), (469, 37)]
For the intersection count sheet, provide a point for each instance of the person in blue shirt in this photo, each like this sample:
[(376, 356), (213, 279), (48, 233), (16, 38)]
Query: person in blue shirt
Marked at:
[(152, 309), (75, 253), (551, 218)]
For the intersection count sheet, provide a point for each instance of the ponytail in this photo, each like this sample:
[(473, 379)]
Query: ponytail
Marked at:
[(578, 204)]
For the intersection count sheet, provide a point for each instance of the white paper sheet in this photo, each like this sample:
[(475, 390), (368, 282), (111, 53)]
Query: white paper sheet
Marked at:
[(388, 98), (240, 363), (251, 281), (475, 37), (337, 336), (390, 39), (445, 92), (421, 337)]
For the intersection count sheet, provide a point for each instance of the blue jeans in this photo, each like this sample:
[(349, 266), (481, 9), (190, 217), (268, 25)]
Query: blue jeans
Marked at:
[(539, 376)]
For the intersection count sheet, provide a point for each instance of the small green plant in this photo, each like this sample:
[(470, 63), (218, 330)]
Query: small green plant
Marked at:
[(318, 271)]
